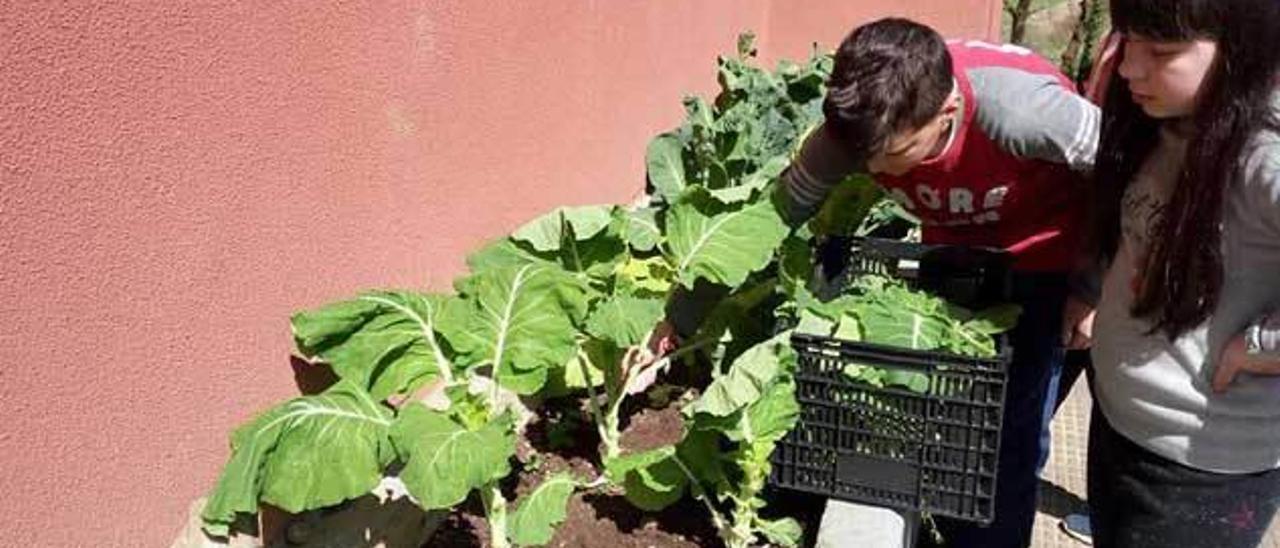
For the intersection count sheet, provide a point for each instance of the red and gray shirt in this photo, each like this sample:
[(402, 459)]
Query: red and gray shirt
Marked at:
[(1009, 177)]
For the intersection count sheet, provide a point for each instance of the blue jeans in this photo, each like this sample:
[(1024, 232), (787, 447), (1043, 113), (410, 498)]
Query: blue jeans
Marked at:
[(1030, 395)]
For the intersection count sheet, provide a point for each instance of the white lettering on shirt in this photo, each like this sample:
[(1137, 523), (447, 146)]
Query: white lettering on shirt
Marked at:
[(929, 197), (901, 197), (995, 197), (961, 200)]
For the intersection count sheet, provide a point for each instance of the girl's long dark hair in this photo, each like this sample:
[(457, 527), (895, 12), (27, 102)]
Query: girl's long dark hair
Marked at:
[(1183, 272)]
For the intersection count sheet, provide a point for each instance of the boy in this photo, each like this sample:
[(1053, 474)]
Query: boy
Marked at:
[(985, 144)]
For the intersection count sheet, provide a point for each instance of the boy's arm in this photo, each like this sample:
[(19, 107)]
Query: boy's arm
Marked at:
[(823, 161), (1036, 116)]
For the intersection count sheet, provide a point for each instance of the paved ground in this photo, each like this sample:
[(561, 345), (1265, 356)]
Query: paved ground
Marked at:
[(1063, 488)]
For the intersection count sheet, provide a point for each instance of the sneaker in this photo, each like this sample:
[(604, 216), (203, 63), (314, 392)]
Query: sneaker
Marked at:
[(1077, 527)]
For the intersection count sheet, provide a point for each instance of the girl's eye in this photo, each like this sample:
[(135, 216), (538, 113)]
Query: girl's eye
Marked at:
[(1168, 49)]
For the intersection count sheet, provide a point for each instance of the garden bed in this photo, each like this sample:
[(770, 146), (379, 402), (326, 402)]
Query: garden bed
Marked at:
[(603, 517)]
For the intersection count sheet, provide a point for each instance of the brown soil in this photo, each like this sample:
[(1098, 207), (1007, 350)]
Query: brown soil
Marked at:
[(603, 517), (599, 517)]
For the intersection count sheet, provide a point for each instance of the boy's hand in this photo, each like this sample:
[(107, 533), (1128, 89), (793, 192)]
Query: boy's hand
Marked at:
[(1077, 324), (1235, 359)]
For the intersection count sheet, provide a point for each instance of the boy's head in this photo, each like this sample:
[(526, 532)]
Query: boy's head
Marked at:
[(891, 94)]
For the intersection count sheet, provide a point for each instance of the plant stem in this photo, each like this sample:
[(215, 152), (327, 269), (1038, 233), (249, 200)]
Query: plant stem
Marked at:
[(495, 508), (607, 430), (608, 424), (695, 488), (753, 459)]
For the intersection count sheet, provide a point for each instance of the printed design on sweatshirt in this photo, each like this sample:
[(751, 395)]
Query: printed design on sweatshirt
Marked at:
[(953, 206), (1143, 213)]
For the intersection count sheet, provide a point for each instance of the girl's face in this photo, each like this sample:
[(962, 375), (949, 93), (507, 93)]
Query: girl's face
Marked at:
[(1166, 77)]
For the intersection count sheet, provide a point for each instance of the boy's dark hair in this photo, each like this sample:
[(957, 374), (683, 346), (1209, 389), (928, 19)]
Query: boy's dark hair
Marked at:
[(890, 75), (1183, 274)]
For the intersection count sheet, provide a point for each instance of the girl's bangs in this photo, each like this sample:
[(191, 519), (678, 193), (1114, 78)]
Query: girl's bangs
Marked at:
[(1168, 20)]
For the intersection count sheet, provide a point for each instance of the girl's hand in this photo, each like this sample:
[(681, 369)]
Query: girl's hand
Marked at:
[(641, 361), (1235, 359), (1077, 324), (663, 340)]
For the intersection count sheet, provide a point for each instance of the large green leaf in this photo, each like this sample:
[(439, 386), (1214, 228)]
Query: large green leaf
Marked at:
[(601, 359), (909, 322), (886, 312), (641, 229), (596, 258), (651, 277), (751, 185), (700, 450), (444, 460), (746, 379), (534, 519), (385, 341), (504, 253), (848, 205), (997, 319), (795, 266), (625, 321), (652, 479), (655, 479), (781, 532), (723, 247), (498, 254), (917, 321), (518, 320), (774, 414), (308, 453), (548, 232), (666, 166), (814, 324), (764, 421)]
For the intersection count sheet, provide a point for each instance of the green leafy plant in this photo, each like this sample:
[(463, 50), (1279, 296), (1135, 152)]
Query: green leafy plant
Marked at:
[(723, 458), (431, 385), (452, 365)]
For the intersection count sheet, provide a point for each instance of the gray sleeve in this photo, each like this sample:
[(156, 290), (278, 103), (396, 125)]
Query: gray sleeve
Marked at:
[(821, 164), (1262, 200), (1034, 116)]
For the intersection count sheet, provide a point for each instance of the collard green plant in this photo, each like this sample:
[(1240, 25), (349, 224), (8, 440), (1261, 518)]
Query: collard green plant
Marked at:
[(723, 459), (567, 304)]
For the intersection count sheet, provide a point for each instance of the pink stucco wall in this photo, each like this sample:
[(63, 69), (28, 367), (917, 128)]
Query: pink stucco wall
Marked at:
[(176, 178)]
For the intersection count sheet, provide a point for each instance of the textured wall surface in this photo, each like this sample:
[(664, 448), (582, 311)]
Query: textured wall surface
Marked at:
[(177, 178)]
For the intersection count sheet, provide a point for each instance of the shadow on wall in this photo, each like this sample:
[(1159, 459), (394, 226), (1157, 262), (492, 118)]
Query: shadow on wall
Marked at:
[(366, 522), (311, 378)]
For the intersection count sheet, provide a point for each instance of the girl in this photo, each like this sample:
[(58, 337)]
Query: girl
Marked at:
[(1185, 440)]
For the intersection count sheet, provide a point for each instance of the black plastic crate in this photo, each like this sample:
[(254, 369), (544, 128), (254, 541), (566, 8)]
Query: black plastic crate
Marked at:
[(973, 277), (934, 452)]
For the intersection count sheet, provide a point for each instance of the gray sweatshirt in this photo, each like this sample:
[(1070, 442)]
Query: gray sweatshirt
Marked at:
[(1157, 392)]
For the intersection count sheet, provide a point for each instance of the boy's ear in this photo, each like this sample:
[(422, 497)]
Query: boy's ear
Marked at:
[(952, 104)]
